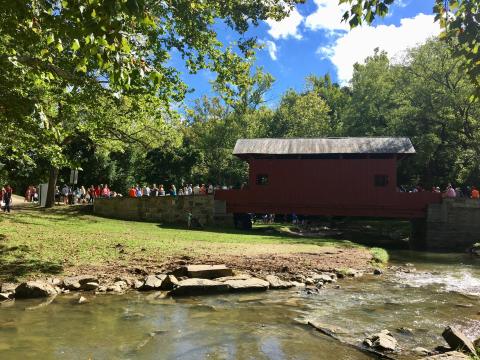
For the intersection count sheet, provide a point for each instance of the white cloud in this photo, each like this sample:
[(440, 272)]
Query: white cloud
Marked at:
[(401, 3), (359, 43), (328, 16), (287, 27), (272, 49)]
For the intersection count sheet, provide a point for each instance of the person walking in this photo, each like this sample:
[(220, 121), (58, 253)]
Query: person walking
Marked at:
[(7, 198), (28, 194)]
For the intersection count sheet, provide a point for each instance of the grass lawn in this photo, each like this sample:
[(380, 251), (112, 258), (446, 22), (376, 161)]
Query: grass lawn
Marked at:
[(34, 241)]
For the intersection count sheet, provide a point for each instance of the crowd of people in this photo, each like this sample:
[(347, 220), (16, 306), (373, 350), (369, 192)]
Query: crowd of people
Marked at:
[(450, 191), (69, 195), (85, 195), (186, 189), (31, 194)]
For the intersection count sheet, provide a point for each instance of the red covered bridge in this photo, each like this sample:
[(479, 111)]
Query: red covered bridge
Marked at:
[(326, 176)]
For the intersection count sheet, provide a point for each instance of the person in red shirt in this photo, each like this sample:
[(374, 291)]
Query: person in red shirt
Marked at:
[(475, 194), (7, 198), (105, 191), (97, 191), (132, 192)]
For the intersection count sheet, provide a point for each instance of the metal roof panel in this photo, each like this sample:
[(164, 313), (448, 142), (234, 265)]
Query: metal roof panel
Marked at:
[(345, 145)]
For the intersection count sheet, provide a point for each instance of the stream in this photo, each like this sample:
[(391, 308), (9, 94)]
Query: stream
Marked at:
[(445, 290)]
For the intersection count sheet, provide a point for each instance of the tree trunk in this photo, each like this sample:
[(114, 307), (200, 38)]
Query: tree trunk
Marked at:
[(52, 182)]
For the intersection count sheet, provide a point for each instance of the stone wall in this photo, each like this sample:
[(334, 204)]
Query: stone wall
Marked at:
[(453, 225), (166, 209)]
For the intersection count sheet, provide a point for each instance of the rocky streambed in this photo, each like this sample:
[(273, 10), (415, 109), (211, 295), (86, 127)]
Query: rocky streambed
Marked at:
[(181, 281), (400, 313)]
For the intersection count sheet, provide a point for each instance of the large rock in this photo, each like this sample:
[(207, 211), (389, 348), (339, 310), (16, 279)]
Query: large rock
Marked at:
[(169, 282), (451, 355), (153, 282), (90, 286), (34, 289), (78, 282), (458, 341), (323, 278), (276, 283), (158, 282), (420, 351), (138, 284), (8, 287), (117, 287), (6, 296), (208, 271), (199, 286), (252, 284), (383, 341)]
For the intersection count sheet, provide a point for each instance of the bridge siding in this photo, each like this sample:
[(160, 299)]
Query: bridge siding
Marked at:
[(337, 187)]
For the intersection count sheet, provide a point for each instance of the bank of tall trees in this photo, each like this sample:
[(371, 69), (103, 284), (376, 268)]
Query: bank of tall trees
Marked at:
[(425, 96)]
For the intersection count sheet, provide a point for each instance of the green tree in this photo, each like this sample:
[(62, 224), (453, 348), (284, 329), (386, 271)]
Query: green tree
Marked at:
[(372, 100), (459, 19), (336, 97), (427, 98), (301, 115), (435, 109), (57, 58), (215, 124)]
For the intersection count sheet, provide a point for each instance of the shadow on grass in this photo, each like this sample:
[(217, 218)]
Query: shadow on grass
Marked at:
[(58, 213), (276, 230), (360, 232), (15, 263)]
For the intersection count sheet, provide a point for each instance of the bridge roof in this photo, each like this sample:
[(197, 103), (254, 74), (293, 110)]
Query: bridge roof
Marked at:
[(312, 146)]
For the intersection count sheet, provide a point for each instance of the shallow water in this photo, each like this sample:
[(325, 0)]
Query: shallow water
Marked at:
[(445, 290)]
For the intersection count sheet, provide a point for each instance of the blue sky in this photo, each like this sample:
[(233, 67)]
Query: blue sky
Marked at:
[(313, 40)]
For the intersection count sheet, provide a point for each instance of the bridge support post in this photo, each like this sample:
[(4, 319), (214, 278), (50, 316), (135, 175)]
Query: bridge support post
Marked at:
[(418, 234)]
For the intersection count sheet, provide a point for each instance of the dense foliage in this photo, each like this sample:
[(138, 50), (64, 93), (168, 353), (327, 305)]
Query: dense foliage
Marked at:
[(101, 70), (425, 97), (459, 19), (90, 85)]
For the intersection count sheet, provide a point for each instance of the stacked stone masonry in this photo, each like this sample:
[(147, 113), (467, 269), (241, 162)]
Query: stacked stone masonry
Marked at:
[(166, 209), (453, 224)]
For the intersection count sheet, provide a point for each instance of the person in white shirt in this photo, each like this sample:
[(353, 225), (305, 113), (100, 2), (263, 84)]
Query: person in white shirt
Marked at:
[(189, 189), (210, 189), (146, 191), (196, 190)]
